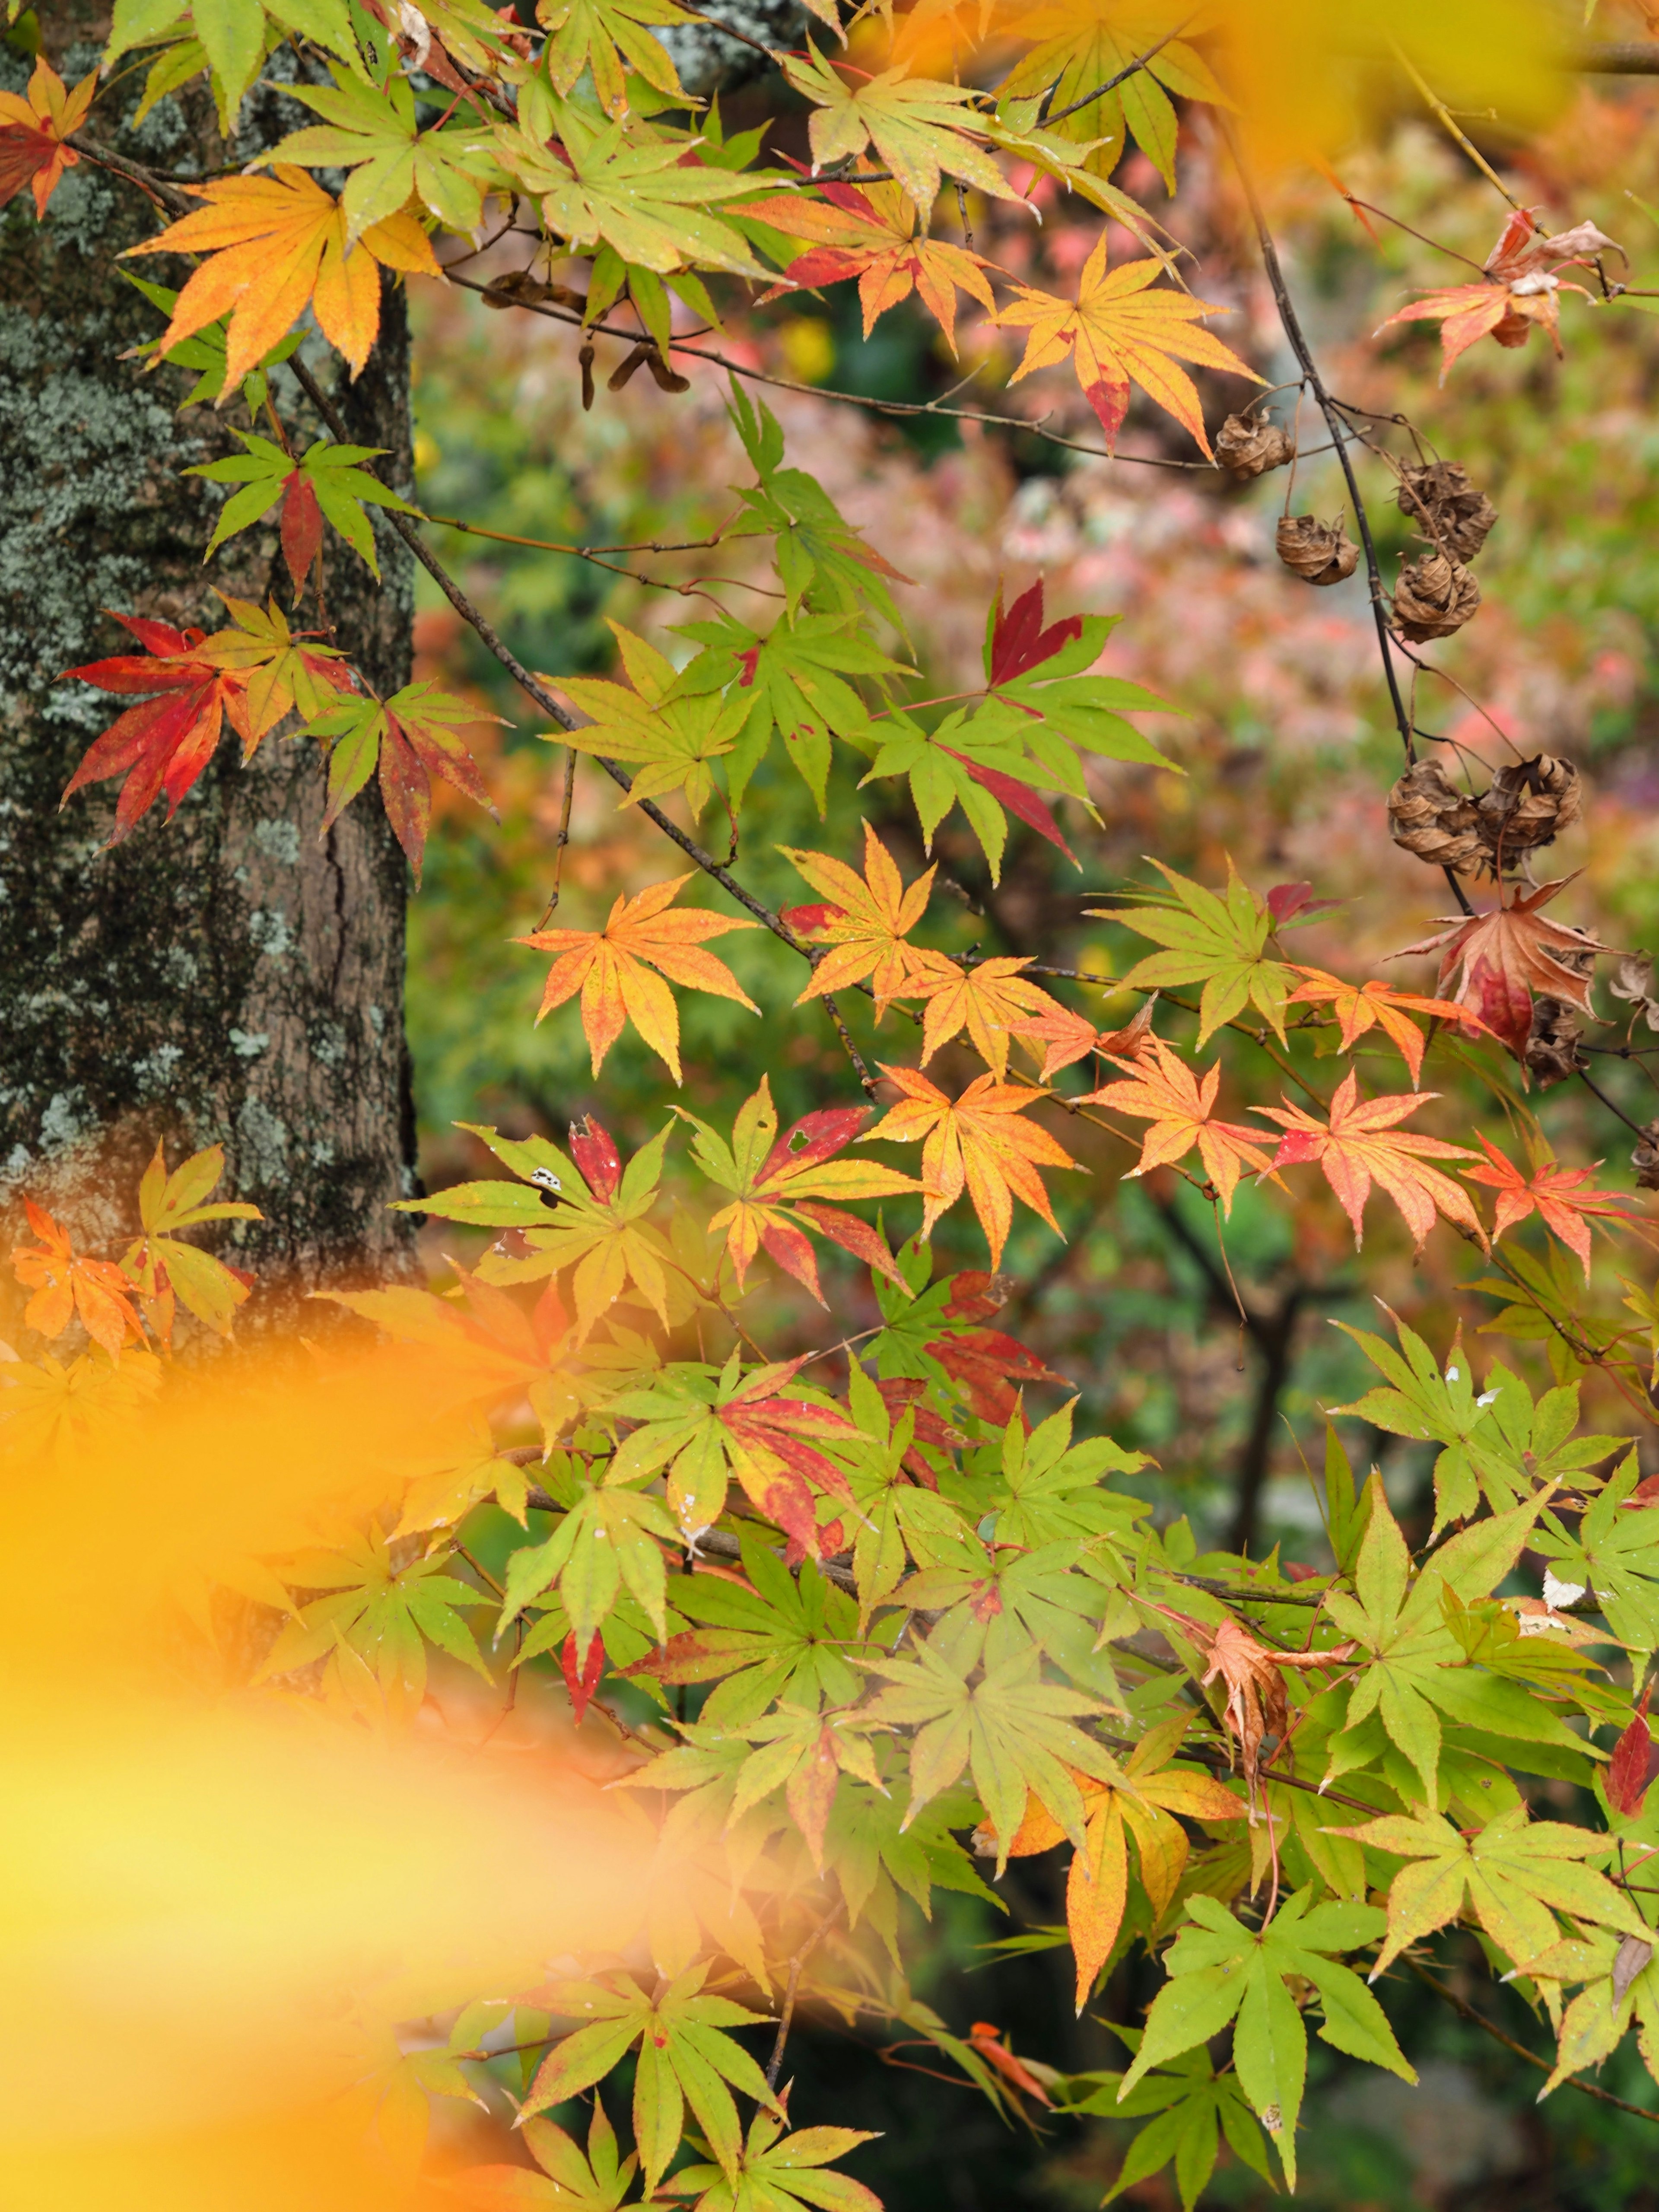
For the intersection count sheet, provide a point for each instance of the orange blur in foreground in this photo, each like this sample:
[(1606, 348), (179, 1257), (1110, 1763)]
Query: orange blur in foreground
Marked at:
[(214, 1907)]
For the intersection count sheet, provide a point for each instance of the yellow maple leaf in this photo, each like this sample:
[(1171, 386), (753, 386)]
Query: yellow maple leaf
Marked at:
[(980, 1142), (612, 969), (275, 245), (866, 923), (988, 1000), (1117, 336)]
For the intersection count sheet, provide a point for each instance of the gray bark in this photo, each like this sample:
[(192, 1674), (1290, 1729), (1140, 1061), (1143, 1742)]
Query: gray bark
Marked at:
[(232, 977)]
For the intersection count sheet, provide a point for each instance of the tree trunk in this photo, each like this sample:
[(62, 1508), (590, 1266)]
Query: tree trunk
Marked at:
[(234, 977)]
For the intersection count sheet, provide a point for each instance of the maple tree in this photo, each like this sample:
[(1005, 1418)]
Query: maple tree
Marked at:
[(818, 1579)]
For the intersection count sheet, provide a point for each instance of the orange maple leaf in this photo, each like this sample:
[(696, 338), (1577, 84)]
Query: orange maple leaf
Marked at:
[(869, 231), (1070, 1037), (611, 968), (1508, 953), (66, 1283), (1357, 1146), (978, 1140), (1562, 1198), (1523, 292), (986, 2038), (276, 245), (865, 924), (1143, 1805), (986, 1001), (165, 742), (34, 129), (1362, 1007), (1178, 1103), (1116, 335)]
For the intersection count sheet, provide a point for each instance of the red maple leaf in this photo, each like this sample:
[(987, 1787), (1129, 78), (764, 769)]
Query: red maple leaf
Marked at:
[(1508, 953), (164, 743), (1557, 1195), (1359, 1144), (1630, 1768), (1521, 292), (1018, 642), (781, 1470), (34, 131)]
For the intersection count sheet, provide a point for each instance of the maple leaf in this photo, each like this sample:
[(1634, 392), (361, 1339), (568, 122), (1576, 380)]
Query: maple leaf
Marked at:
[(917, 125), (1630, 1774), (281, 670), (611, 968), (1357, 1146), (163, 1266), (67, 1284), (1116, 336), (870, 232), (326, 482), (1139, 1801), (1559, 1197), (1252, 1672), (866, 924), (409, 738), (780, 1183), (1078, 44), (1362, 1007), (599, 1231), (1179, 1103), (610, 37), (1512, 1872), (1217, 941), (276, 245), (1523, 293), (978, 1140), (1221, 1971), (1508, 953), (672, 739), (783, 2177), (373, 134), (164, 743), (986, 2038), (985, 1363), (1070, 1037), (643, 197), (986, 1000), (34, 131), (595, 2182)]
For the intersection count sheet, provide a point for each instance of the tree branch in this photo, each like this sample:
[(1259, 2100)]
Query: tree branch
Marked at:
[(1464, 2010)]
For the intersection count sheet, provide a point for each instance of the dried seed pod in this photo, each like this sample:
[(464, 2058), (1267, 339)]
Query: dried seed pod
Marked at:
[(1433, 597), (1320, 552), (1530, 803), (1250, 449), (1552, 1053), (585, 359), (1430, 816), (1446, 508), (1632, 981), (1645, 1158)]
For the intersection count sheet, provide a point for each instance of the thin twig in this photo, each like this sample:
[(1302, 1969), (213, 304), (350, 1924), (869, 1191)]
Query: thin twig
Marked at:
[(786, 2017), (1464, 2010)]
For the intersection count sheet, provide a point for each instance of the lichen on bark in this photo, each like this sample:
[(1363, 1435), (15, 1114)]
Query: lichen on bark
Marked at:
[(234, 977)]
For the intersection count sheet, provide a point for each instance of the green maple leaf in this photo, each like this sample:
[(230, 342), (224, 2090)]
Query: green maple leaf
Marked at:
[(1497, 1444), (898, 1520), (783, 2176), (329, 472), (1615, 1552), (1221, 1971), (1094, 50), (609, 38), (1050, 1489), (670, 740), (229, 36), (159, 1260), (602, 1234), (570, 2180), (611, 1540), (794, 681), (1516, 1874), (1194, 2106), (408, 738), (1054, 706), (383, 1615), (787, 1637), (878, 1844), (623, 185), (1417, 1669), (1217, 941), (204, 350), (1621, 1981), (979, 764), (916, 123), (374, 133), (804, 1754), (1011, 1730), (685, 2058), (822, 560), (995, 1601)]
